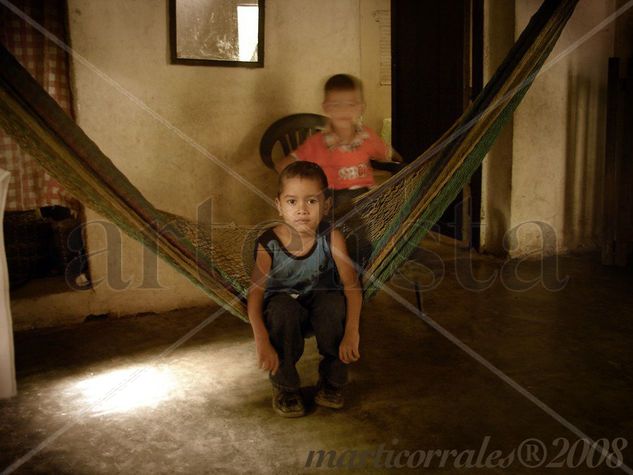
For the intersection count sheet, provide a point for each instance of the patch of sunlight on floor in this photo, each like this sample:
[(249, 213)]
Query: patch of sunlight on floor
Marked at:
[(124, 390)]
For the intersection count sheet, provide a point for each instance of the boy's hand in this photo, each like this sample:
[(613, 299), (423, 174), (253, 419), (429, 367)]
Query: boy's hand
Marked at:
[(396, 157), (348, 349), (267, 358)]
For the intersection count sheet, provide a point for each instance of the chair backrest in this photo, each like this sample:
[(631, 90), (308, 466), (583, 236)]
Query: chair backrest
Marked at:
[(289, 132)]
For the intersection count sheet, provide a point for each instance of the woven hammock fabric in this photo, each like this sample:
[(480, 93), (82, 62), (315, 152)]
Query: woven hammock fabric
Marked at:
[(394, 216)]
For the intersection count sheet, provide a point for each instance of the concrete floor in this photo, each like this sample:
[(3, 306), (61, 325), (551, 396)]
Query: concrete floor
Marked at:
[(118, 396)]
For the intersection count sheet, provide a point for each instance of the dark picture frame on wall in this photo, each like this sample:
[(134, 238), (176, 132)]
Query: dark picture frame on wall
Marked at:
[(217, 33)]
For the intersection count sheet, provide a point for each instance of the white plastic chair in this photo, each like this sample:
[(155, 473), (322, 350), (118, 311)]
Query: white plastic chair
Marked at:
[(8, 386)]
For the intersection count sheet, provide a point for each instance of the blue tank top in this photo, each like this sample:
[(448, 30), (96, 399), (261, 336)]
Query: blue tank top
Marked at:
[(298, 275)]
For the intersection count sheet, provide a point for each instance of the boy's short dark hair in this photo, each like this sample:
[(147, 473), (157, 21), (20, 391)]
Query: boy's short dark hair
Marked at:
[(343, 82), (303, 169)]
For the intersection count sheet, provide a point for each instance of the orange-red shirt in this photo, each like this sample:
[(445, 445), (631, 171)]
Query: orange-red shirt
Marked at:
[(346, 166)]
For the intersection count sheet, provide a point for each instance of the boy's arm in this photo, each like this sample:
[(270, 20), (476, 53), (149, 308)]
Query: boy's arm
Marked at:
[(348, 349), (305, 151), (267, 357), (392, 156), (395, 156), (284, 162), (382, 151)]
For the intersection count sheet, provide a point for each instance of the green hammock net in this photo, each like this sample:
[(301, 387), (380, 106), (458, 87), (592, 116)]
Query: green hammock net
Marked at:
[(395, 216)]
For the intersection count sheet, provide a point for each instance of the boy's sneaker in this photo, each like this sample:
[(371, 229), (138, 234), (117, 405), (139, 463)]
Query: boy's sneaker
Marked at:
[(288, 403), (328, 395)]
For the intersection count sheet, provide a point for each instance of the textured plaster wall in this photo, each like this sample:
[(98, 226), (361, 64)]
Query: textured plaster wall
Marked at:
[(149, 117), (557, 144)]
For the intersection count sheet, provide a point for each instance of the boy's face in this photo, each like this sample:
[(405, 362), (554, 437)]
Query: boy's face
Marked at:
[(302, 204), (344, 108)]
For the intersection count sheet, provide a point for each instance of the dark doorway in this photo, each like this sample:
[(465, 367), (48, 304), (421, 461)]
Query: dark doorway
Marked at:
[(437, 57)]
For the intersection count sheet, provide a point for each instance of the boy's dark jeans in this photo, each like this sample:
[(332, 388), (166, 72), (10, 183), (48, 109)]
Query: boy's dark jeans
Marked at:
[(290, 320)]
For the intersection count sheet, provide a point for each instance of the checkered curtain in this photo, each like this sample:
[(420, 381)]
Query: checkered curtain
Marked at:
[(30, 186)]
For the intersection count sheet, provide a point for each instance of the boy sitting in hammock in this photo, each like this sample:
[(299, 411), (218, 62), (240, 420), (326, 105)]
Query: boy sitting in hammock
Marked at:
[(295, 290), (345, 147)]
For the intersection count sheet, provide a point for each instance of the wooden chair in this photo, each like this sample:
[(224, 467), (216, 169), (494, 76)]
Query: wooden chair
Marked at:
[(292, 130)]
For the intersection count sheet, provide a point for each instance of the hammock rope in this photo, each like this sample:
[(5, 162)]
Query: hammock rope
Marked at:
[(218, 259)]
